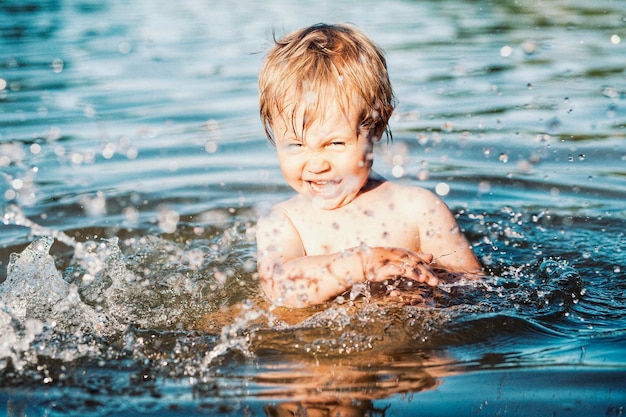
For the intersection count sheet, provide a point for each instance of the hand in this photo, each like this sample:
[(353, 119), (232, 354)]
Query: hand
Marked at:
[(380, 264)]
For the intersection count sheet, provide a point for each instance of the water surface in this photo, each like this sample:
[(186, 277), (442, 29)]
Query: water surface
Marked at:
[(134, 168)]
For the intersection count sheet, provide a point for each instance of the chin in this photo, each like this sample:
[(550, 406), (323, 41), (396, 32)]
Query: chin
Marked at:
[(323, 204), (330, 203)]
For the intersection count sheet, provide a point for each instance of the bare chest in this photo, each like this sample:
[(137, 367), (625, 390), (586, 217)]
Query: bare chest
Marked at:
[(339, 231)]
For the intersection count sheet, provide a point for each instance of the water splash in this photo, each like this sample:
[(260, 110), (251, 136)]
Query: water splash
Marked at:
[(102, 293), (37, 302), (33, 279), (16, 340), (35, 289), (237, 336), (138, 298), (13, 214)]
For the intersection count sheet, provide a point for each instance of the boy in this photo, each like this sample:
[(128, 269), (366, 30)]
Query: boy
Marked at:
[(325, 99)]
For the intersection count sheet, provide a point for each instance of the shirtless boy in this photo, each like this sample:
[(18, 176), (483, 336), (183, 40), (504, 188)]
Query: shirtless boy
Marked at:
[(325, 100)]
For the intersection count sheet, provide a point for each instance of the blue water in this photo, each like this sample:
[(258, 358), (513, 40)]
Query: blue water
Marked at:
[(134, 167)]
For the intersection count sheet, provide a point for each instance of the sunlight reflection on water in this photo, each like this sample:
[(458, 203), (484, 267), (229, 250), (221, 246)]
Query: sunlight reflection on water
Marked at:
[(129, 134)]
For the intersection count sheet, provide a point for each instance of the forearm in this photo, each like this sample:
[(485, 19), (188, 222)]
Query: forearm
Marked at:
[(462, 260), (312, 280)]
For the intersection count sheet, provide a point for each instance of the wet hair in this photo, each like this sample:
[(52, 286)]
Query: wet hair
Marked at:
[(324, 63)]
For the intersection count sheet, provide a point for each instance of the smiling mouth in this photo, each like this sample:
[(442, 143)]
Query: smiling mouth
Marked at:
[(324, 188)]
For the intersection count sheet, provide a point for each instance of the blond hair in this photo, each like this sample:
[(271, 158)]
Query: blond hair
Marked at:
[(329, 62)]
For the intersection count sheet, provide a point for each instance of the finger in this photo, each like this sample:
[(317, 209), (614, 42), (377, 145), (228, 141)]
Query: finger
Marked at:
[(426, 276), (387, 272), (425, 257), (431, 279), (414, 273)]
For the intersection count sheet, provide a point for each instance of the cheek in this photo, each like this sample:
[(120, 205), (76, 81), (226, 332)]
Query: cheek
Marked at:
[(289, 165), (363, 160)]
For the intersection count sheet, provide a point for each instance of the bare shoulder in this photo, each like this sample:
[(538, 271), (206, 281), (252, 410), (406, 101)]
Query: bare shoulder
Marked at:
[(275, 231), (413, 197), (274, 220), (439, 232)]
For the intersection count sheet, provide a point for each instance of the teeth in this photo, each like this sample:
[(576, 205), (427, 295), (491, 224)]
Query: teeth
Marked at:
[(323, 187), (324, 181)]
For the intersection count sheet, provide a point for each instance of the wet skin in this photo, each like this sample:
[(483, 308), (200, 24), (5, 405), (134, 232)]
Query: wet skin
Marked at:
[(346, 225)]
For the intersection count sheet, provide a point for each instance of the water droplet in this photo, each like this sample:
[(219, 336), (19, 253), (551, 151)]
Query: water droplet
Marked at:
[(610, 92), (398, 159), (167, 219), (423, 175), (57, 65), (132, 153), (210, 147), (524, 166), (124, 47), (484, 187), (17, 183), (89, 111), (195, 258), (95, 206), (442, 189), (108, 150), (397, 171)]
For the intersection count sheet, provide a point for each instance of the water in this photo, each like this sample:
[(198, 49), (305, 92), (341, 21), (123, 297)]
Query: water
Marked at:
[(134, 168)]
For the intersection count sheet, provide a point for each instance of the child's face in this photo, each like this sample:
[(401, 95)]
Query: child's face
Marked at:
[(328, 163)]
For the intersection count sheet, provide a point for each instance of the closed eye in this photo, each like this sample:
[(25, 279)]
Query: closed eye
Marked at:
[(294, 144), (291, 146)]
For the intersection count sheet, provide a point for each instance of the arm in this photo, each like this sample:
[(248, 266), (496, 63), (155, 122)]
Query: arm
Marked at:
[(291, 278), (441, 235)]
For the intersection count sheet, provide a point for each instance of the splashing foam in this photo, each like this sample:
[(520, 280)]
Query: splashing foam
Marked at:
[(13, 214), (236, 336), (15, 343), (35, 299), (105, 296)]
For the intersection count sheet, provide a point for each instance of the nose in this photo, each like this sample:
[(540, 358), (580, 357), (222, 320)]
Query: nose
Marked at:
[(317, 162)]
